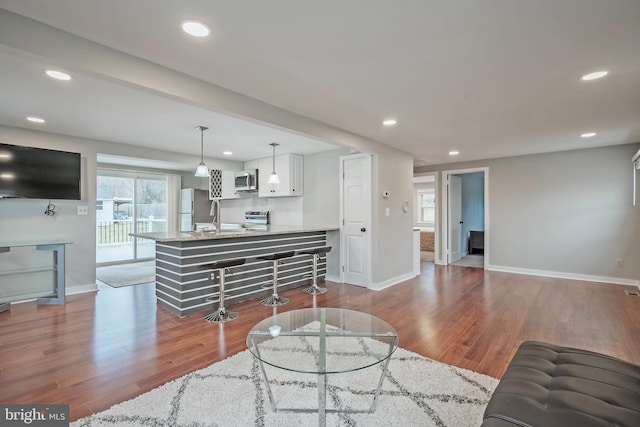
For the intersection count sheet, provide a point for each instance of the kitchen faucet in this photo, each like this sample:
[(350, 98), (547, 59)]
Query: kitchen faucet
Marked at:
[(215, 213)]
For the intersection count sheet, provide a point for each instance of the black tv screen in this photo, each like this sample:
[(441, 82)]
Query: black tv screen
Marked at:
[(38, 173)]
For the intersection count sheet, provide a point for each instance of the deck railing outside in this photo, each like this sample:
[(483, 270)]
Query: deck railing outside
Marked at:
[(113, 232)]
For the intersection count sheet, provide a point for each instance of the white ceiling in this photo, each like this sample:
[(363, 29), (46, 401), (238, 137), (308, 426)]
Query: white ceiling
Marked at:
[(489, 78)]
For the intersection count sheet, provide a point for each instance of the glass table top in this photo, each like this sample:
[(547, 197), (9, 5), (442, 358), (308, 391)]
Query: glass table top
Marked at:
[(322, 340)]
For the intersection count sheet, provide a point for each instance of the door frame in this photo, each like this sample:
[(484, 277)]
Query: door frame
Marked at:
[(454, 214), (134, 175), (428, 177), (444, 214), (343, 245)]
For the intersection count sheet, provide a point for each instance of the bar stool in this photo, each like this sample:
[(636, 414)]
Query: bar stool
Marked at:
[(222, 315), (275, 299), (316, 254)]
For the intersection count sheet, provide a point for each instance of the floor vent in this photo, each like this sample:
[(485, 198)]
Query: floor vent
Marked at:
[(633, 293)]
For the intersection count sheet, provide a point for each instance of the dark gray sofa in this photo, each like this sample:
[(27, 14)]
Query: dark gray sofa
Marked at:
[(546, 385)]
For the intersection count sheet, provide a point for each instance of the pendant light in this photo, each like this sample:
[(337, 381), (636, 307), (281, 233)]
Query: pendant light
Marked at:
[(273, 178), (202, 170)]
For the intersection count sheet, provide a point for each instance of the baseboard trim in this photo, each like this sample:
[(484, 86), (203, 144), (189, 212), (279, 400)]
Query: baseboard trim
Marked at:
[(330, 278), (561, 275), (74, 290), (390, 282), (68, 291)]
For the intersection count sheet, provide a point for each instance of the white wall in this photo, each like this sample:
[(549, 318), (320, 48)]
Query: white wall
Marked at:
[(322, 188), (567, 214), (392, 235), (23, 220), (392, 168), (321, 204)]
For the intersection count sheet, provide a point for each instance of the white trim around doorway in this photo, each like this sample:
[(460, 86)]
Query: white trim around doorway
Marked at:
[(444, 209), (367, 273), (433, 177)]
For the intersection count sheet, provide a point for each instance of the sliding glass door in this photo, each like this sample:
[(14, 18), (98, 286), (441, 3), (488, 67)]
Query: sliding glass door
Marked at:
[(128, 202)]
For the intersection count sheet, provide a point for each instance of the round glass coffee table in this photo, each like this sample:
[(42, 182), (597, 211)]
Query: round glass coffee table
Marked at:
[(322, 341)]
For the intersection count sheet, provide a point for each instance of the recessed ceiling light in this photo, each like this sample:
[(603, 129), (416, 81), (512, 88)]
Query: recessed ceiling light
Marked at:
[(196, 29), (454, 152), (227, 153), (59, 75), (588, 135), (390, 122), (35, 120), (595, 75), (7, 175)]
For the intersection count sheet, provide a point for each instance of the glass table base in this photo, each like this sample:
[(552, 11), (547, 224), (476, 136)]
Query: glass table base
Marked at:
[(290, 326)]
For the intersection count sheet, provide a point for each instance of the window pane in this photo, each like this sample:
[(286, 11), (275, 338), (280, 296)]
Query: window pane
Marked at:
[(427, 207), (128, 202), (113, 221), (152, 212)]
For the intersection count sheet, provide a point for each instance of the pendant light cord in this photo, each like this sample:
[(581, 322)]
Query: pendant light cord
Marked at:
[(273, 165), (202, 129), (202, 170), (273, 178)]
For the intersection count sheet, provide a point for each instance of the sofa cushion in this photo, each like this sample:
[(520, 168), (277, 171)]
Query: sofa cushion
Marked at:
[(552, 386)]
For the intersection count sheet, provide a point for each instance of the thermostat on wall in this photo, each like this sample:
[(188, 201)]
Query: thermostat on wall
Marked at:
[(385, 194)]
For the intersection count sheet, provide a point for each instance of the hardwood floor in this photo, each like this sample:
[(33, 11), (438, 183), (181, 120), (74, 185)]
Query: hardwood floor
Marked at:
[(101, 349)]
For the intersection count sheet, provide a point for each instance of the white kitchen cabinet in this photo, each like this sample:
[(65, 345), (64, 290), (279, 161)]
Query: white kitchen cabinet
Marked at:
[(222, 185), (264, 170), (290, 170)]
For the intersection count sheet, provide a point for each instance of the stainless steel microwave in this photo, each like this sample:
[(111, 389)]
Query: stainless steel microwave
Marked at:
[(246, 180)]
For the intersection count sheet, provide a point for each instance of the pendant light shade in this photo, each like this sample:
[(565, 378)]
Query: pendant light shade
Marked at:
[(202, 170), (273, 178)]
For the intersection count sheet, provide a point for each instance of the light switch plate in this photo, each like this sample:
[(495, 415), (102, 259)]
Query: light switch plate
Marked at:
[(83, 210), (387, 211)]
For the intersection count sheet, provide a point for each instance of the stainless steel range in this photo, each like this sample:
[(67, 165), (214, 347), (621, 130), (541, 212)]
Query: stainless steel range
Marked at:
[(256, 220)]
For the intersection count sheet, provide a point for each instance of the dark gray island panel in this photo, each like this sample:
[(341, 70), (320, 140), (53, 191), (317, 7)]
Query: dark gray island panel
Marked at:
[(183, 286)]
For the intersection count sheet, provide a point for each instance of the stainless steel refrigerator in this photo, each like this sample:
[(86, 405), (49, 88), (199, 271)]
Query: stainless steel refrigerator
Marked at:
[(194, 207)]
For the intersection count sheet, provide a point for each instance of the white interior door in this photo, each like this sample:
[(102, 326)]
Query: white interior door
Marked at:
[(356, 214), (455, 217)]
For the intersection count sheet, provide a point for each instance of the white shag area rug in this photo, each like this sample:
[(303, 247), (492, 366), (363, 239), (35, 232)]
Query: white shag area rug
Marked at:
[(416, 392)]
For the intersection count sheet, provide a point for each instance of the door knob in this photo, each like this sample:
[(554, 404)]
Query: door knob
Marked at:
[(363, 229)]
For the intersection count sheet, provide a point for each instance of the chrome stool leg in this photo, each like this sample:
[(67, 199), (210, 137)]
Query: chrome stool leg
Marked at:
[(316, 254), (275, 299), (314, 289), (221, 315)]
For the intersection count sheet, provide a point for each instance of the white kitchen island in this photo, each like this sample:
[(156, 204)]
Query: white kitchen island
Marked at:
[(183, 286)]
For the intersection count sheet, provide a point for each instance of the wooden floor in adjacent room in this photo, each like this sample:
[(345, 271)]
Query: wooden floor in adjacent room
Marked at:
[(106, 347)]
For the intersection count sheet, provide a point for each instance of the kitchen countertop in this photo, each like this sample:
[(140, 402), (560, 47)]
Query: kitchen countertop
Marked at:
[(186, 236)]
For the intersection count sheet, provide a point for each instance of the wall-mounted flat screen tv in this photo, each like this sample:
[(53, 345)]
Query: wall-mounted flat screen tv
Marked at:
[(38, 173)]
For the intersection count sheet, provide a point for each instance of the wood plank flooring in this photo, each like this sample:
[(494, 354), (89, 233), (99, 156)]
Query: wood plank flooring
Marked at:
[(106, 347)]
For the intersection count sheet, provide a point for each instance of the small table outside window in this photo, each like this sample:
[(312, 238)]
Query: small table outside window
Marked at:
[(315, 341)]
